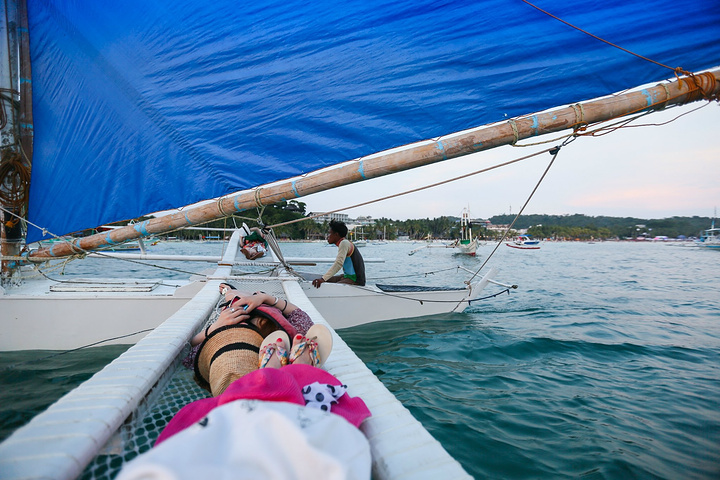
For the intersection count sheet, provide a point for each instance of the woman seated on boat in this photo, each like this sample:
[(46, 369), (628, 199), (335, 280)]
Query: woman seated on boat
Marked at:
[(243, 322), (282, 420), (254, 244)]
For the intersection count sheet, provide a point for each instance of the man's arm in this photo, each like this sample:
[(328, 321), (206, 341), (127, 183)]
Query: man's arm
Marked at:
[(343, 250)]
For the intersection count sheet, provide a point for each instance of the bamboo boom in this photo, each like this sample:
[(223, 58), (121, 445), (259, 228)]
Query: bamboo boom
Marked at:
[(404, 158)]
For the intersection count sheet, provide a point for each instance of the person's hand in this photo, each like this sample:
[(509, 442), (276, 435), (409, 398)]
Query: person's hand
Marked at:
[(251, 302), (317, 282), (232, 315)]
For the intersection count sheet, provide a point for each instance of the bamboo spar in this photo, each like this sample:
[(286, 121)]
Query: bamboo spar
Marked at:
[(404, 158)]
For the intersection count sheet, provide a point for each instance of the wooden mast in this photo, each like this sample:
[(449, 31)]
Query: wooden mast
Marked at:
[(685, 90), (17, 155)]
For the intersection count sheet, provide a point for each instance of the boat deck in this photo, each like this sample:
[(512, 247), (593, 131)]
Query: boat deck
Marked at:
[(119, 412)]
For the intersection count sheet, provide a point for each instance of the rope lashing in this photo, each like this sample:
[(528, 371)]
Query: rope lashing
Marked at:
[(220, 207), (15, 174), (516, 134), (406, 192), (260, 207), (258, 202), (580, 123), (699, 86), (667, 96)]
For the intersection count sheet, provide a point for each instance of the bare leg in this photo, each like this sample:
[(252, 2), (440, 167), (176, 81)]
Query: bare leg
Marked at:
[(249, 252)]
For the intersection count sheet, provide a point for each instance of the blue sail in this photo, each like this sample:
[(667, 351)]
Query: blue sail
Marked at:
[(146, 106)]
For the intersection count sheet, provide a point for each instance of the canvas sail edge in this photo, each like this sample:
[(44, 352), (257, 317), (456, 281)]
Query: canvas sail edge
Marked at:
[(681, 91)]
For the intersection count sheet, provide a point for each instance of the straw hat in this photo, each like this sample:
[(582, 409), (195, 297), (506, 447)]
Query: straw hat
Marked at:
[(232, 351), (227, 354)]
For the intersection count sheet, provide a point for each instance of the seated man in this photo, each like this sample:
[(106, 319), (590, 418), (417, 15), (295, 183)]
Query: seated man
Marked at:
[(348, 258)]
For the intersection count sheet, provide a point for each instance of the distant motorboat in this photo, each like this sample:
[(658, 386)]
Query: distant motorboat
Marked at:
[(525, 242), (709, 238)]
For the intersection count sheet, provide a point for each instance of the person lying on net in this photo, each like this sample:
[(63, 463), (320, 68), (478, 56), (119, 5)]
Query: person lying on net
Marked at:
[(286, 418), (244, 320), (254, 244)]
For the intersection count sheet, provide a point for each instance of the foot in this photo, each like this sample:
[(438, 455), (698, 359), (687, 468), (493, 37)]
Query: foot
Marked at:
[(274, 350), (313, 348), (304, 351)]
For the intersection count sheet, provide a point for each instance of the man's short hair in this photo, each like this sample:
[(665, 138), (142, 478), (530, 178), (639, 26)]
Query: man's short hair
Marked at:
[(339, 227)]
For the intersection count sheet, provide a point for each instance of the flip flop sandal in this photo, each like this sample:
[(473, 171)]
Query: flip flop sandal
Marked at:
[(318, 341), (275, 343)]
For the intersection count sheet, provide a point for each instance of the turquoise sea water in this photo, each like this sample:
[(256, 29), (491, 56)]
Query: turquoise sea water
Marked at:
[(604, 364)]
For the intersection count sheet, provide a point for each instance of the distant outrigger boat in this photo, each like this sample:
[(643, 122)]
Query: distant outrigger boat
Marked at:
[(466, 244)]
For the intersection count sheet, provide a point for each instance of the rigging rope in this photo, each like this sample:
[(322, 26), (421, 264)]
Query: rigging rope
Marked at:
[(15, 365), (510, 162), (693, 80), (678, 69), (554, 152), (507, 290), (81, 253)]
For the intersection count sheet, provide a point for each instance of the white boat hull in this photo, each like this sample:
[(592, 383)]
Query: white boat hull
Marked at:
[(710, 238), (467, 248), (345, 306), (68, 320)]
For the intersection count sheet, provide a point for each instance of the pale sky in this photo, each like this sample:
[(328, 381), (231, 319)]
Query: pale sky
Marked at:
[(643, 172)]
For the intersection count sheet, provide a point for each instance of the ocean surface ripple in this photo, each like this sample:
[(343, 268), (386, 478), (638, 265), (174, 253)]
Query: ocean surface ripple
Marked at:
[(603, 365)]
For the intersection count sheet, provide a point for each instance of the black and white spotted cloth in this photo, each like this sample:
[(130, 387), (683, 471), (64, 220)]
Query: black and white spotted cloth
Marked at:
[(321, 396)]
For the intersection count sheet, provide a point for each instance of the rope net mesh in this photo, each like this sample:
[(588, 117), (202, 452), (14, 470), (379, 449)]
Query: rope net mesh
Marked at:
[(141, 429), (175, 389)]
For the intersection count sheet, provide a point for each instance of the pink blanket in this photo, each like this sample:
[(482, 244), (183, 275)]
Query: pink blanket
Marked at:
[(271, 385)]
